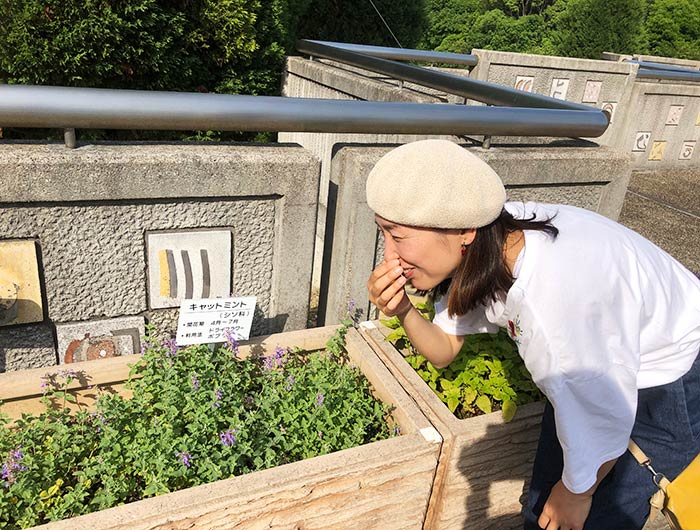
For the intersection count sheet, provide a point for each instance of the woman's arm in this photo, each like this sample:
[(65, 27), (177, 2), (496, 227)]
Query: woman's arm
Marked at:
[(386, 291)]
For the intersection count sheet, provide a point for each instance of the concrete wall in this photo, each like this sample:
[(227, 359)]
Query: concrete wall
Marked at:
[(593, 178), (663, 129), (685, 63), (601, 84), (89, 213), (657, 122)]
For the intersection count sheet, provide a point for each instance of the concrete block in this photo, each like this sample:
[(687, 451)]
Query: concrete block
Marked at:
[(30, 346), (90, 207), (99, 339), (594, 178), (601, 84), (664, 127)]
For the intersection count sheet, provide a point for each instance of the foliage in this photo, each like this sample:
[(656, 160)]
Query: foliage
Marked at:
[(447, 18), (196, 416), (673, 28), (587, 28), (494, 30), (487, 374), (346, 21)]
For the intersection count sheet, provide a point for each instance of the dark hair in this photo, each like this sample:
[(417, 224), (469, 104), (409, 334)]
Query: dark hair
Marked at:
[(483, 276)]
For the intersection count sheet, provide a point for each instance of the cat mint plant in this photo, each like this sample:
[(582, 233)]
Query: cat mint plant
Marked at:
[(487, 374), (196, 416)]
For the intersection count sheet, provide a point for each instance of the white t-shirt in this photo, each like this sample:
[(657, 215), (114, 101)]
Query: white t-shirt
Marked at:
[(597, 313)]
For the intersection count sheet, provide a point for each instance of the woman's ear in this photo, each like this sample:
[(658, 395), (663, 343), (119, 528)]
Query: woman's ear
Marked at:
[(468, 235)]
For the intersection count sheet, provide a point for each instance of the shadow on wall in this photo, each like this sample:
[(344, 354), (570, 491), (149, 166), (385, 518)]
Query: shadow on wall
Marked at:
[(10, 308)]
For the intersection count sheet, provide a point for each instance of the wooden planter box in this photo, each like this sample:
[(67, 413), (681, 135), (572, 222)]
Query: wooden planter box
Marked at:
[(485, 463), (383, 484)]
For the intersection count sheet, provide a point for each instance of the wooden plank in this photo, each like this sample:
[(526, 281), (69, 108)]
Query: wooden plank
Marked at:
[(484, 464), (382, 484)]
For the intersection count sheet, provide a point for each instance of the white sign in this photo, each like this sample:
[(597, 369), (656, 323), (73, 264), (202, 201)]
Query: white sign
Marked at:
[(208, 320)]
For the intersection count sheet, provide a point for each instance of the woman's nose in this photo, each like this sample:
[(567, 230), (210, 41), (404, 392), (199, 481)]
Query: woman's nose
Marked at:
[(390, 251)]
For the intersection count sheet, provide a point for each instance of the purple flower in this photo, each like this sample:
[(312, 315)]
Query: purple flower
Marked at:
[(351, 306), (290, 382), (276, 359), (228, 438), (186, 459), (194, 381), (44, 387), (219, 395), (12, 466), (231, 341), (171, 346), (319, 400), (249, 401), (397, 430)]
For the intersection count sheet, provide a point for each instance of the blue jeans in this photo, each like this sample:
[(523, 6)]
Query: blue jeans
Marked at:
[(667, 428)]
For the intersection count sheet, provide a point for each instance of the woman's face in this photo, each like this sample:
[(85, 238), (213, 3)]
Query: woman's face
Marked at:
[(427, 255)]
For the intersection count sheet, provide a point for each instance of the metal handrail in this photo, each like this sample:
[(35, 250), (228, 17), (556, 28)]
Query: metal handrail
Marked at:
[(662, 66), (485, 92), (405, 54), (667, 75), (94, 108)]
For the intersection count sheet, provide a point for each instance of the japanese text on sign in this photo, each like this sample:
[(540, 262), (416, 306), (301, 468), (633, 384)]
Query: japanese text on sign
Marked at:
[(210, 320)]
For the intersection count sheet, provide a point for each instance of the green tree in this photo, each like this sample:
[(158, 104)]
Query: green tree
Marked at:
[(359, 22), (447, 18), (673, 28), (586, 28), (494, 30)]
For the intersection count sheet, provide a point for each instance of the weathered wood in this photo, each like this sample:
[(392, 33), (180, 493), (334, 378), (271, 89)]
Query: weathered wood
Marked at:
[(384, 484), (484, 464)]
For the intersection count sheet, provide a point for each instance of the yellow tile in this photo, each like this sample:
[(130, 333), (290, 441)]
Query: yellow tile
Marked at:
[(20, 290), (657, 150)]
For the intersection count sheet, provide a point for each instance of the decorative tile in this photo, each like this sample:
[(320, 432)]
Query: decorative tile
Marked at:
[(641, 141), (687, 150), (592, 92), (559, 88), (609, 106), (524, 83), (674, 115), (99, 339), (657, 150), (20, 290), (187, 264)]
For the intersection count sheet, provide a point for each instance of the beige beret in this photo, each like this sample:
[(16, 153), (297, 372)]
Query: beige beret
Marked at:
[(437, 184)]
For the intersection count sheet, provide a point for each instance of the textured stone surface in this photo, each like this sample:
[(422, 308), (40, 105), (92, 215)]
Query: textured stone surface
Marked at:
[(94, 256), (89, 209), (26, 347)]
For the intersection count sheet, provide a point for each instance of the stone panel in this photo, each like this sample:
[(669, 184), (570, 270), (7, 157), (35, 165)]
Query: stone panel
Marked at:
[(25, 347), (598, 83), (98, 339)]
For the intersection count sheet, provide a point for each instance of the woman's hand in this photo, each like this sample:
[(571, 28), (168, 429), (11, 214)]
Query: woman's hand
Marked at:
[(565, 510), (386, 289)]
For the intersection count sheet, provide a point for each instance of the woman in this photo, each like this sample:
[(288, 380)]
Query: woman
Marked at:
[(607, 324)]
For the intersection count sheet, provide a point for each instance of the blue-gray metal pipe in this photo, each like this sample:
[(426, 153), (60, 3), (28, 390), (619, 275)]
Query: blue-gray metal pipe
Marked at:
[(93, 108), (489, 93), (404, 54), (668, 75), (661, 66)]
